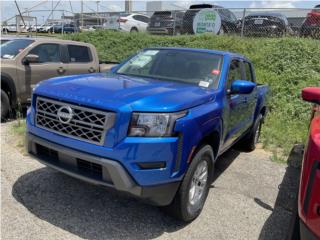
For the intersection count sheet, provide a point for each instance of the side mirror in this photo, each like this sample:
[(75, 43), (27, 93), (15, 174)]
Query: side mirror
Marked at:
[(30, 58), (242, 87), (311, 94)]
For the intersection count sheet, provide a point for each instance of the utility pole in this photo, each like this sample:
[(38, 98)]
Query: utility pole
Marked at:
[(128, 6), (24, 24), (81, 13), (52, 10), (98, 16)]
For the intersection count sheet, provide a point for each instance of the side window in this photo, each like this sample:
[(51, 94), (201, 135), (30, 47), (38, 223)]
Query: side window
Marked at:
[(145, 19), (47, 52), (136, 17), (79, 54), (234, 72), (248, 71)]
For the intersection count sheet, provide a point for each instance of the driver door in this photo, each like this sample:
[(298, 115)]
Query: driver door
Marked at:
[(49, 65), (235, 106)]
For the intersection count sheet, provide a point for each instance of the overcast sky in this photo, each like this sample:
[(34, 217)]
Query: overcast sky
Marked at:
[(8, 8)]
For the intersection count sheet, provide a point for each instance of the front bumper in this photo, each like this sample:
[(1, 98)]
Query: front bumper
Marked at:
[(97, 170)]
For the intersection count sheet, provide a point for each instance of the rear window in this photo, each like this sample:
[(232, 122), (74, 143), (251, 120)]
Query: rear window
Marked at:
[(317, 9), (198, 6), (79, 54), (166, 13)]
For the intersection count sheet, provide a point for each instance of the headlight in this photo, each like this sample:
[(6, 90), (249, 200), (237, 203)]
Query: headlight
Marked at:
[(153, 124)]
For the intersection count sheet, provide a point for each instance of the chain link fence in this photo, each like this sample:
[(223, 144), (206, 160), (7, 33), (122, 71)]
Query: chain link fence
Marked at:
[(214, 20)]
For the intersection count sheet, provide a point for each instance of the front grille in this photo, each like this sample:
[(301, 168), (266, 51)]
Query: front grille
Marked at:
[(82, 123)]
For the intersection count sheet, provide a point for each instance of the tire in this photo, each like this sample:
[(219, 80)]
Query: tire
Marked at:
[(133, 30), (177, 32), (250, 140), (5, 105), (187, 204), (222, 31)]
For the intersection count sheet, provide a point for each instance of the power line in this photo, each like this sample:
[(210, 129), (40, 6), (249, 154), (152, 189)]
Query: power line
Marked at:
[(53, 10), (71, 6), (24, 24)]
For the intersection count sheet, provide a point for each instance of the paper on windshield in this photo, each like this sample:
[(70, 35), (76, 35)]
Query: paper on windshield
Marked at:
[(151, 52), (204, 84), (141, 61), (144, 58)]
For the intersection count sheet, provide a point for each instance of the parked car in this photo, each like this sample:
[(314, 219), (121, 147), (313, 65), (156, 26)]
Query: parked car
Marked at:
[(64, 28), (9, 28), (306, 225), (311, 25), (133, 23), (266, 24), (27, 61), (166, 22), (229, 22), (153, 127), (45, 28)]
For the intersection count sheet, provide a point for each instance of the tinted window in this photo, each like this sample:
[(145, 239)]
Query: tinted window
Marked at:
[(79, 53), (11, 48), (234, 72), (4, 41), (145, 19), (175, 65), (47, 52), (141, 18), (136, 17), (248, 71), (199, 6)]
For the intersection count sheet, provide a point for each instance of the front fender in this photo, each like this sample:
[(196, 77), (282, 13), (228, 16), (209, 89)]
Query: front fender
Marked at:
[(199, 123)]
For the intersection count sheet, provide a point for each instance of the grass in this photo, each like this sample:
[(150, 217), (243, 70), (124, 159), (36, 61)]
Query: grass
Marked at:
[(19, 130)]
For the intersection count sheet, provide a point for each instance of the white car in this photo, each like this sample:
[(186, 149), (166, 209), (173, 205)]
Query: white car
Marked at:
[(133, 22), (9, 28)]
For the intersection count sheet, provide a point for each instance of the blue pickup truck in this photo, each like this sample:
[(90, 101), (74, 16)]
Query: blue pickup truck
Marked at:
[(153, 126)]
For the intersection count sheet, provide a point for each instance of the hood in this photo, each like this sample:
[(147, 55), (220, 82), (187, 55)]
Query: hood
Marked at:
[(112, 92)]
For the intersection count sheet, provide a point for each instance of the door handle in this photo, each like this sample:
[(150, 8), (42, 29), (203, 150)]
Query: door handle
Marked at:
[(61, 70), (91, 70)]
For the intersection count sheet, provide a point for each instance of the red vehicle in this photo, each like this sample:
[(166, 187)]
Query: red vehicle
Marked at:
[(309, 192), (311, 25)]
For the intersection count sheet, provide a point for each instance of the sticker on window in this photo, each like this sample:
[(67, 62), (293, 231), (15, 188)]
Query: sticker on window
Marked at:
[(150, 52), (215, 72), (204, 84), (141, 60)]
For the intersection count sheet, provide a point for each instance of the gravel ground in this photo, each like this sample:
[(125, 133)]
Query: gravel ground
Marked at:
[(251, 198)]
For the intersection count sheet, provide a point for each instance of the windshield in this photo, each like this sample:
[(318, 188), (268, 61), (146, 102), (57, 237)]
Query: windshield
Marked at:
[(11, 48), (191, 67)]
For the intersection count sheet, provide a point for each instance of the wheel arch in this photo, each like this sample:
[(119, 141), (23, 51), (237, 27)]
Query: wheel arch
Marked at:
[(7, 85)]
